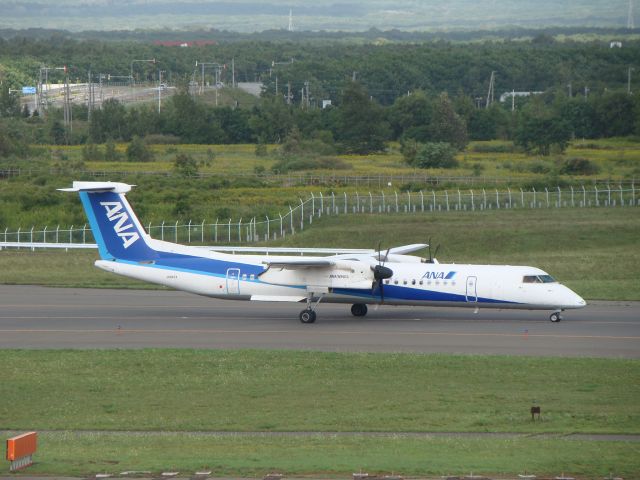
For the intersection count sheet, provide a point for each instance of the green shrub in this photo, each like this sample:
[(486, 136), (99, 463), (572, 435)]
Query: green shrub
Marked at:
[(91, 152), (185, 165), (137, 151), (430, 155), (110, 152), (578, 166)]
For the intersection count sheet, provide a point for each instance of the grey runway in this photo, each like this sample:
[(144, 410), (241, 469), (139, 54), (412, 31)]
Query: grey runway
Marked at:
[(40, 317)]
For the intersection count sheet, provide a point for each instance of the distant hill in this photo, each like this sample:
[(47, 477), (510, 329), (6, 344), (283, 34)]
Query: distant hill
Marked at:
[(331, 15)]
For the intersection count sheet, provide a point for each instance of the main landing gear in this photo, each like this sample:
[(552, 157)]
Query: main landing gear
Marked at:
[(555, 317), (358, 309), (308, 315)]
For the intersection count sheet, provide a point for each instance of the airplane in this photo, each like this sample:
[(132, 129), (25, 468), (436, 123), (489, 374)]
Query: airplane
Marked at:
[(359, 277)]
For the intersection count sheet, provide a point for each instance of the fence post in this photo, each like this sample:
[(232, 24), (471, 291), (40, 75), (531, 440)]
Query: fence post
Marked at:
[(268, 233), (522, 197), (510, 203), (321, 205), (162, 230), (484, 199), (57, 234), (559, 197), (358, 202), (240, 230), (446, 197), (384, 206), (281, 227), (473, 206), (175, 232), (84, 233), (189, 232), (621, 198), (547, 192), (19, 234), (202, 231), (313, 206), (396, 193), (597, 199), (572, 204), (409, 199), (370, 203), (44, 235), (345, 202), (215, 230), (584, 197), (71, 234), (633, 193), (459, 200), (291, 218), (422, 200), (31, 234), (333, 203), (609, 194), (497, 199), (302, 214)]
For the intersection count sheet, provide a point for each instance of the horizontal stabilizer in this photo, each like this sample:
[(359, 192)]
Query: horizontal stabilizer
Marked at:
[(115, 187)]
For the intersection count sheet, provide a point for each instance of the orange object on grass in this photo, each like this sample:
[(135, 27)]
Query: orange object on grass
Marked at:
[(21, 446)]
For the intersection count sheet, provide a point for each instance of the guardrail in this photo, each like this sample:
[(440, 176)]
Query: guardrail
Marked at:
[(301, 215)]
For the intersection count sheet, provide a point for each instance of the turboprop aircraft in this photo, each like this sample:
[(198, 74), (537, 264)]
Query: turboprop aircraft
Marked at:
[(350, 276)]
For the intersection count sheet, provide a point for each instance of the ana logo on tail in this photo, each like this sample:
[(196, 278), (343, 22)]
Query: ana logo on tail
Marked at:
[(116, 214)]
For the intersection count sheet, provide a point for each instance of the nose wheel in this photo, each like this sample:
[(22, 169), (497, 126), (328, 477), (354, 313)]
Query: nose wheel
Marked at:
[(358, 310), (307, 316), (555, 317)]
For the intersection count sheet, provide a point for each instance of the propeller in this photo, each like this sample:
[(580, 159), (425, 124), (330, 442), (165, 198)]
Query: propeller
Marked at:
[(380, 272), (432, 256)]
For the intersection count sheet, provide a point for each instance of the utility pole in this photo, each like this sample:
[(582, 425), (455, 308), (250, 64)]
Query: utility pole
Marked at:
[(289, 93), (630, 20), (233, 72), (629, 80), (490, 94), (306, 86), (160, 72)]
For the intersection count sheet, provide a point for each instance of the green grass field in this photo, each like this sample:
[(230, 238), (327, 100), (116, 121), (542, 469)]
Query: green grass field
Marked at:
[(183, 391), (594, 251)]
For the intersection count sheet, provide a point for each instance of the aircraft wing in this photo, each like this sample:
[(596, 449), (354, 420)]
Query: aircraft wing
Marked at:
[(414, 247), (302, 263)]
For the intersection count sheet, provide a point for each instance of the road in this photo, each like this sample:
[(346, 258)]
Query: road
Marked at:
[(40, 317)]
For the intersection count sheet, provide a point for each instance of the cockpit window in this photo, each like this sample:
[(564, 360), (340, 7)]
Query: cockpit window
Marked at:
[(547, 279), (538, 279)]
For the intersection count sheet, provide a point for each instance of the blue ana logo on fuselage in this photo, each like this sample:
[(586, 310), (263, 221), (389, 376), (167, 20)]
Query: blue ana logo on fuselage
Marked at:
[(439, 275), (115, 213)]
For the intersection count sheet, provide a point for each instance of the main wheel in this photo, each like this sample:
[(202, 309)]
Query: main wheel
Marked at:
[(555, 317), (358, 309), (307, 316)]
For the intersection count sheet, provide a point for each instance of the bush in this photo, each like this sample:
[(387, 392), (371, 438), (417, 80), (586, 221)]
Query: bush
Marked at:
[(160, 139), (261, 150), (110, 152), (430, 155), (578, 166), (90, 152), (185, 165), (137, 151)]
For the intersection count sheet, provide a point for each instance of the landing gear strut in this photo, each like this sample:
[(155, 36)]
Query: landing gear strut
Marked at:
[(555, 317), (308, 315), (358, 309)]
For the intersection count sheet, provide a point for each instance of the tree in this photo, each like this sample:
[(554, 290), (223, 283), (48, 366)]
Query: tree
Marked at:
[(410, 116), (446, 125), (137, 151), (9, 104), (109, 122), (360, 126), (430, 154), (539, 128)]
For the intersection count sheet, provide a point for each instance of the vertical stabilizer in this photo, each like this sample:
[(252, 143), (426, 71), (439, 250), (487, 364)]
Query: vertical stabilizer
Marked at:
[(116, 229)]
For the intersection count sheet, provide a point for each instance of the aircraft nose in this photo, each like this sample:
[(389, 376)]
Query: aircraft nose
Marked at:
[(573, 300)]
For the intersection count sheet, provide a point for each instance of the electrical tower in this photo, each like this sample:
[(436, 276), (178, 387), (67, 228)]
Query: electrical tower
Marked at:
[(630, 22), (290, 27)]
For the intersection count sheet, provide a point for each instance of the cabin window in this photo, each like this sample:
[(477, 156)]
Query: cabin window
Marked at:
[(547, 279), (421, 282), (244, 276), (395, 282), (413, 282), (404, 282), (386, 282), (252, 277)]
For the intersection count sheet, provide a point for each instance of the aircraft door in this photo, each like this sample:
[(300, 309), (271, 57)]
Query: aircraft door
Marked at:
[(472, 292), (233, 281)]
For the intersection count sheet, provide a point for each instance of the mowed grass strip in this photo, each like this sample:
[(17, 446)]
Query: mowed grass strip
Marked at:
[(592, 250), (84, 454), (187, 390)]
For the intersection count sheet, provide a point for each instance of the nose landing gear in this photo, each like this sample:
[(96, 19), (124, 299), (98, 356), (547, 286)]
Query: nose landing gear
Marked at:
[(555, 317), (358, 309)]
